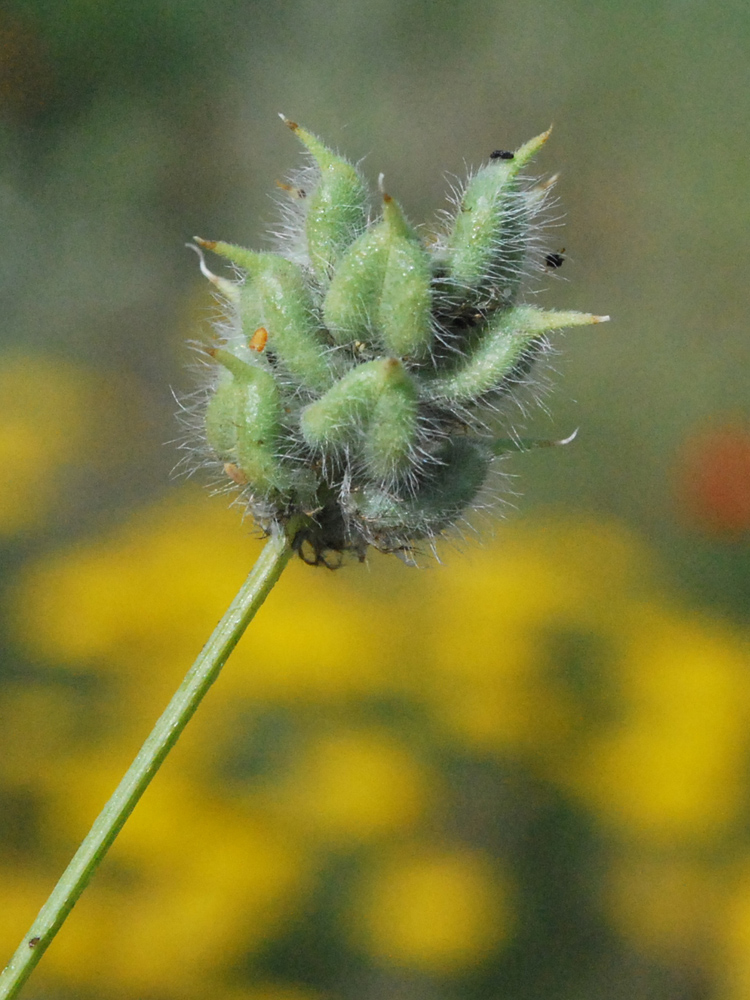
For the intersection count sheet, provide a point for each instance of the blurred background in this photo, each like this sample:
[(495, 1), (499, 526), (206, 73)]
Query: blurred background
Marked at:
[(521, 774)]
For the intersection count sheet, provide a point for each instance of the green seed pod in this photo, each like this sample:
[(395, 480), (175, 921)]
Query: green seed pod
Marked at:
[(488, 242), (334, 422), (277, 298), (502, 350), (336, 210), (444, 493), (381, 289), (371, 411), (391, 435), (243, 426)]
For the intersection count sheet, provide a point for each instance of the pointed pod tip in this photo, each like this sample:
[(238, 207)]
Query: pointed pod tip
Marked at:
[(583, 319), (502, 446), (543, 137), (529, 149), (540, 139), (563, 319), (323, 156), (393, 215), (204, 270), (530, 321), (568, 439), (228, 288)]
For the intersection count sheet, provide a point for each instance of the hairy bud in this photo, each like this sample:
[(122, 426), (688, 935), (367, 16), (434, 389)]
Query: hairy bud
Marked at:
[(380, 293), (359, 380), (337, 208)]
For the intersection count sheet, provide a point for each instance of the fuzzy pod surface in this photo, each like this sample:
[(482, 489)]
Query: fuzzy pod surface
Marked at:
[(362, 376)]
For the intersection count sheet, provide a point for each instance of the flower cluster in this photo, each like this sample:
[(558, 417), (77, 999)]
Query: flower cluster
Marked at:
[(362, 368)]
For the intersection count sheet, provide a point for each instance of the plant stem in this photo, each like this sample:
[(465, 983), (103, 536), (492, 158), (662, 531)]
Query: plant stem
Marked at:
[(163, 737)]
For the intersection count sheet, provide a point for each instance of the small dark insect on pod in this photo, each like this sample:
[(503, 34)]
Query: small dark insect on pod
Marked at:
[(501, 154), (555, 260)]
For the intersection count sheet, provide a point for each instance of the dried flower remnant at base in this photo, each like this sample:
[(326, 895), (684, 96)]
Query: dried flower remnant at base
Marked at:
[(362, 374)]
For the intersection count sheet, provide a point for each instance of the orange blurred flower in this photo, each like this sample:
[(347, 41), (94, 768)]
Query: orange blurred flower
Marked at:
[(713, 480)]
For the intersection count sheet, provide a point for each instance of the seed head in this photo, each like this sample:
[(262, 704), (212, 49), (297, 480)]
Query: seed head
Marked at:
[(359, 380)]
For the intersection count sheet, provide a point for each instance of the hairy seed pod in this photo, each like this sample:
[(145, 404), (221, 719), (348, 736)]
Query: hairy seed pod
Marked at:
[(336, 210), (360, 368), (371, 412), (502, 350), (487, 245), (277, 298), (243, 425), (391, 434), (449, 486), (381, 290)]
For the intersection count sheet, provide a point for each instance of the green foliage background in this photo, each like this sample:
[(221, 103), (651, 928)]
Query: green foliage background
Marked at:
[(521, 775)]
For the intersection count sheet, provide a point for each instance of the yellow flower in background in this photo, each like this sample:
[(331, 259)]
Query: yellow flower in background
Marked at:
[(433, 909), (733, 946), (354, 786), (151, 588), (61, 424), (502, 617), (672, 767), (194, 880), (144, 599), (23, 889), (557, 647), (39, 723), (43, 427), (193, 884), (547, 568)]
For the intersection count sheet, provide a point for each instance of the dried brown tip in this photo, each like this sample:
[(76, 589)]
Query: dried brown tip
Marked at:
[(207, 244), (288, 122), (546, 184), (381, 185), (293, 192)]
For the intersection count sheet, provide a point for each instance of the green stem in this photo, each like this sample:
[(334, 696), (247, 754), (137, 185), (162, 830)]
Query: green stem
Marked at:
[(164, 735)]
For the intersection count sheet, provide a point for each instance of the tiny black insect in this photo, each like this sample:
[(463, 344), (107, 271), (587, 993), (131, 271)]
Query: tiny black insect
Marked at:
[(555, 260), (501, 154)]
